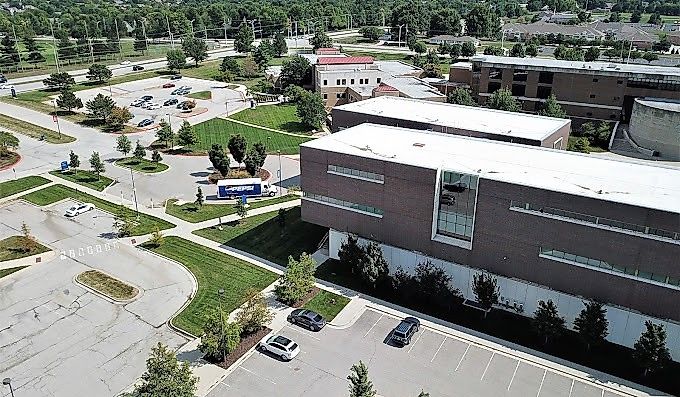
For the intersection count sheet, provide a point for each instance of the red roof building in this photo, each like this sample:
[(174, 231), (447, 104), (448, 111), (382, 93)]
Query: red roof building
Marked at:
[(345, 60), (382, 87)]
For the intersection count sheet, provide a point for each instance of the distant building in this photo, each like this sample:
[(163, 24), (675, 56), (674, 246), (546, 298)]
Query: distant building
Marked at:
[(449, 39)]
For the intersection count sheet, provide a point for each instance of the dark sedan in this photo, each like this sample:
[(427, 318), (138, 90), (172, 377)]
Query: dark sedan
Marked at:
[(170, 102), (307, 318)]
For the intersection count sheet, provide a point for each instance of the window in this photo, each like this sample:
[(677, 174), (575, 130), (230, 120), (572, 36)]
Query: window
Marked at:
[(595, 80), (597, 264), (457, 202), (493, 87), (325, 96), (495, 73), (545, 77), (378, 80), (325, 82), (543, 92), (353, 173), (519, 75), (344, 81), (366, 209), (589, 114), (592, 96), (518, 89), (337, 82), (351, 81)]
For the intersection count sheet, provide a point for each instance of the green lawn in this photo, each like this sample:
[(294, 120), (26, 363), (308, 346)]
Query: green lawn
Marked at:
[(107, 285), (16, 247), (327, 304), (141, 165), (219, 130), (21, 185), (85, 178), (54, 193), (261, 235), (8, 271), (214, 270), (190, 212), (278, 117), (205, 95), (32, 130)]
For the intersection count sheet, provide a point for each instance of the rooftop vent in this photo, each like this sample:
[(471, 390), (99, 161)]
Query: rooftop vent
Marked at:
[(418, 144)]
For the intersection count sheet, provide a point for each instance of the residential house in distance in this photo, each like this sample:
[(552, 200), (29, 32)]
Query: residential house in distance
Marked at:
[(342, 80), (449, 39), (585, 90), (558, 17)]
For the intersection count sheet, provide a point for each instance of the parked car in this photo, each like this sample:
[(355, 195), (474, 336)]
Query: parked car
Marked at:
[(138, 102), (185, 87), (125, 63), (175, 91), (146, 98), (176, 77), (307, 318), (280, 346), (182, 104), (153, 106), (6, 86), (137, 68), (3, 79), (168, 85), (145, 123), (79, 209), (402, 333), (170, 102)]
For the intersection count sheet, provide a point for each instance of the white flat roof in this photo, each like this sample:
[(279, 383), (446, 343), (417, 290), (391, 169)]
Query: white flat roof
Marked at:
[(490, 121), (642, 185), (672, 105), (604, 67)]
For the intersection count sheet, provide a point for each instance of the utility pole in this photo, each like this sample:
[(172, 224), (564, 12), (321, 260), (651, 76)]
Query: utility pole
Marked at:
[(296, 34), (16, 45), (225, 31), (630, 49), (192, 26), (54, 46), (120, 49), (146, 40), (400, 35), (172, 42), (56, 118), (134, 191), (205, 32), (252, 26), (89, 43)]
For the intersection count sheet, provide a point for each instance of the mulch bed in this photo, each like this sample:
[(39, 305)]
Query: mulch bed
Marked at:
[(303, 301), (9, 161), (235, 174), (246, 344)]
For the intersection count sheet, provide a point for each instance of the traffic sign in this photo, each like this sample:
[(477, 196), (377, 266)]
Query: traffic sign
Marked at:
[(64, 165)]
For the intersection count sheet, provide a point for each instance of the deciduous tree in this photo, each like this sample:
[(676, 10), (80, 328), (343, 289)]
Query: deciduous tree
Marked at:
[(461, 96), (552, 109), (485, 288), (220, 337), (651, 352), (279, 45), (298, 279), (241, 209), (123, 144), (295, 71), (481, 21), (68, 100), (547, 321), (254, 314), (98, 73), (119, 116), (517, 51), (503, 100), (311, 110), (219, 159), (165, 376), (195, 48), (74, 161), (320, 40), (177, 60), (8, 142), (96, 164), (592, 324)]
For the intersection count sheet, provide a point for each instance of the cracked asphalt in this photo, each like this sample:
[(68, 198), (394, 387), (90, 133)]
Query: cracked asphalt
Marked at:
[(58, 339)]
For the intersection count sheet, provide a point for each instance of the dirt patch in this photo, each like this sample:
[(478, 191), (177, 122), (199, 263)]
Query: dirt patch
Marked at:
[(236, 173), (247, 342), (9, 161)]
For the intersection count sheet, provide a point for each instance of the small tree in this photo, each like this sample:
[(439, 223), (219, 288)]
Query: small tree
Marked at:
[(494, 50), (96, 164), (552, 108), (263, 54), (320, 40), (468, 49), (68, 100), (7, 142), (434, 286), (311, 109), (176, 59), (517, 51), (100, 107), (139, 152), (461, 96), (261, 151), (351, 255), (119, 116), (532, 50), (165, 133), (165, 376), (423, 394), (237, 147), (254, 314), (279, 45), (199, 197), (592, 324), (297, 281), (74, 161), (295, 71), (220, 337), (650, 349), (592, 54), (252, 161), (485, 288), (59, 80), (503, 100), (157, 238), (219, 159), (454, 51), (547, 321), (123, 222), (241, 209), (580, 145), (359, 383), (29, 242), (98, 73), (156, 157), (195, 48), (186, 136), (123, 144), (375, 270), (230, 65), (419, 47)]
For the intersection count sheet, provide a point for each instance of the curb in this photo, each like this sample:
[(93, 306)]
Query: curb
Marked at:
[(135, 171), (140, 292), (8, 166)]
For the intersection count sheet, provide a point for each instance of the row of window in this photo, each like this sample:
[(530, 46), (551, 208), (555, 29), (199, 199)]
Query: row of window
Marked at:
[(542, 92), (641, 229), (656, 84), (521, 75), (342, 203), (357, 173), (600, 264), (343, 82)]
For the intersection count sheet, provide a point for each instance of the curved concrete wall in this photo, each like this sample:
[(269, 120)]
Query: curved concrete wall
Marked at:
[(655, 124)]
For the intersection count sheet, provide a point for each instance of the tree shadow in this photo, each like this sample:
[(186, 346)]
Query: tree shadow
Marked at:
[(295, 127)]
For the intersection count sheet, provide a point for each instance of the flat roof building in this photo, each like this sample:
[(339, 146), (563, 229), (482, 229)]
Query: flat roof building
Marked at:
[(586, 90), (455, 119), (548, 224)]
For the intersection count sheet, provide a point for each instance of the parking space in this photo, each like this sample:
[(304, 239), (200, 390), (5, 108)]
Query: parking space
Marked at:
[(441, 364), (125, 94), (52, 328)]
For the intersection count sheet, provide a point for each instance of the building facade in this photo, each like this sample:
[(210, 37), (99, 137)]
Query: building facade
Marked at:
[(655, 125), (548, 224), (586, 90)]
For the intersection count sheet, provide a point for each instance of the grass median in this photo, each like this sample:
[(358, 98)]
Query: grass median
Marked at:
[(84, 178), (32, 130), (204, 95), (7, 272), (213, 270), (10, 188), (51, 194), (107, 285), (17, 247), (263, 236), (327, 304), (191, 212)]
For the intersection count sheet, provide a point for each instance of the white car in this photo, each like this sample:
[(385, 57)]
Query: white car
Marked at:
[(153, 106), (6, 86), (125, 63), (79, 209), (280, 346)]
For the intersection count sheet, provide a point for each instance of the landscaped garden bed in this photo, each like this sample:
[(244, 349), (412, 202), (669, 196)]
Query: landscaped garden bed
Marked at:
[(17, 247), (85, 178), (107, 285)]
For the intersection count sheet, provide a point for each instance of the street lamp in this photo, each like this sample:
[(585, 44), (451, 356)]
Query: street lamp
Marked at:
[(8, 382), (134, 192), (220, 293), (56, 117), (280, 176)]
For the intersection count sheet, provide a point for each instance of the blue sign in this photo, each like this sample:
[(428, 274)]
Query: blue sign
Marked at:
[(244, 200), (64, 165)]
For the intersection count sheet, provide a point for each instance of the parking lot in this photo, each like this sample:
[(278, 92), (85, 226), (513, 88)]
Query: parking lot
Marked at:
[(124, 94), (57, 338), (442, 365)]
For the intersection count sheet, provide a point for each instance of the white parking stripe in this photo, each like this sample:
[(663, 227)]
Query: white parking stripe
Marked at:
[(513, 375), (373, 326), (542, 380), (440, 347), (487, 365), (259, 376), (461, 359), (602, 392), (414, 343), (298, 329), (571, 389)]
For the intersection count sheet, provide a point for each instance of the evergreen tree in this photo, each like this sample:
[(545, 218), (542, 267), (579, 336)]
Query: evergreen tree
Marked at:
[(503, 100), (351, 255), (592, 54), (123, 144), (517, 51), (298, 279), (156, 157), (139, 152), (165, 133), (74, 161), (263, 54), (237, 147), (320, 40), (252, 161), (592, 324), (241, 209), (360, 385), (547, 321), (279, 45), (68, 100), (243, 42), (59, 80), (10, 55), (199, 197), (552, 108), (99, 73), (140, 44), (100, 107), (375, 269), (532, 50), (219, 159), (96, 164), (485, 288), (66, 49), (461, 96), (651, 352), (186, 136)]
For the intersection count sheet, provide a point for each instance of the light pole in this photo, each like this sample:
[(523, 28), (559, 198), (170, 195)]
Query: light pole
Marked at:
[(56, 117), (16, 45), (192, 26), (54, 45), (220, 293), (134, 192), (280, 176), (8, 382)]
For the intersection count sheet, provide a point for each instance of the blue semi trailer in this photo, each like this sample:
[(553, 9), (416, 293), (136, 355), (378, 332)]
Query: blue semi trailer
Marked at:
[(248, 187)]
